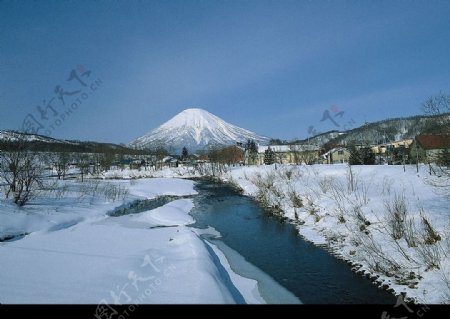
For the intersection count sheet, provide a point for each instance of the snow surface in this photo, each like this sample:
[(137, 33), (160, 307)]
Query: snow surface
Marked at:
[(76, 253), (195, 128)]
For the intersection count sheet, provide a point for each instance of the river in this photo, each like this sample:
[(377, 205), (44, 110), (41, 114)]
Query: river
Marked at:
[(307, 271)]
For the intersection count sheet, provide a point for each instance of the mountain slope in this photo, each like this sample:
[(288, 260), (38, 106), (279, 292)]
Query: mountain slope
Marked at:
[(10, 140), (390, 130), (321, 139), (195, 129), (13, 136), (384, 131)]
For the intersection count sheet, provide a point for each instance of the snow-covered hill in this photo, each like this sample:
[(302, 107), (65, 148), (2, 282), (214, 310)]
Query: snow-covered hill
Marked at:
[(10, 140), (195, 129), (13, 136), (393, 129), (384, 131)]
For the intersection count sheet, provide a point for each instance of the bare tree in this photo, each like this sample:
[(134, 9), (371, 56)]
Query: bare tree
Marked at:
[(10, 167), (106, 160), (232, 155), (439, 106), (60, 162), (23, 172), (84, 164)]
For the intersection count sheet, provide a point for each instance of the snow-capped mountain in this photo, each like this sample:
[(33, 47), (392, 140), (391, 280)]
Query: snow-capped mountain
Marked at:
[(195, 129)]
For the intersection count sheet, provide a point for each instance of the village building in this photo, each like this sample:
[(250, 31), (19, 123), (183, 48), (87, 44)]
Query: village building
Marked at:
[(285, 154), (430, 147), (385, 147), (338, 155)]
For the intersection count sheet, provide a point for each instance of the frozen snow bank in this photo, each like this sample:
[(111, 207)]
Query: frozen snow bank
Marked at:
[(78, 204), (170, 214), (77, 254), (150, 188)]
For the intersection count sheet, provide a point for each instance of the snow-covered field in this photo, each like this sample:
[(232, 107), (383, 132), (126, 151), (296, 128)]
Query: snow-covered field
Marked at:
[(390, 223), (76, 253)]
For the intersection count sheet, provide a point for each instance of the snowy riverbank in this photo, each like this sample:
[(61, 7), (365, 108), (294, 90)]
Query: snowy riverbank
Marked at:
[(390, 223), (76, 253)]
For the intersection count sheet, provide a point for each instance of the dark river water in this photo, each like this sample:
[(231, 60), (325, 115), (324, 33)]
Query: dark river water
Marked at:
[(309, 272)]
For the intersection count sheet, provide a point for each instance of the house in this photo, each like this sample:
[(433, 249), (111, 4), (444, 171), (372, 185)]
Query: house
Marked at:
[(285, 154), (428, 147), (336, 155), (393, 152), (171, 161), (400, 144)]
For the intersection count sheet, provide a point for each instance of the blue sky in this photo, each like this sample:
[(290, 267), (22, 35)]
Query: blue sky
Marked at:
[(273, 67)]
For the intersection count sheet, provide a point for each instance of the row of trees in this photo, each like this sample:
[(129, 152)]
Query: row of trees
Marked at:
[(399, 155), (224, 155), (24, 172)]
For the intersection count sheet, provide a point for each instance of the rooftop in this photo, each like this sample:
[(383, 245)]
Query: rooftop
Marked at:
[(437, 141)]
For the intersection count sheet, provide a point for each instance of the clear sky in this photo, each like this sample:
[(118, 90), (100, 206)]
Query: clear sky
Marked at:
[(273, 67)]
